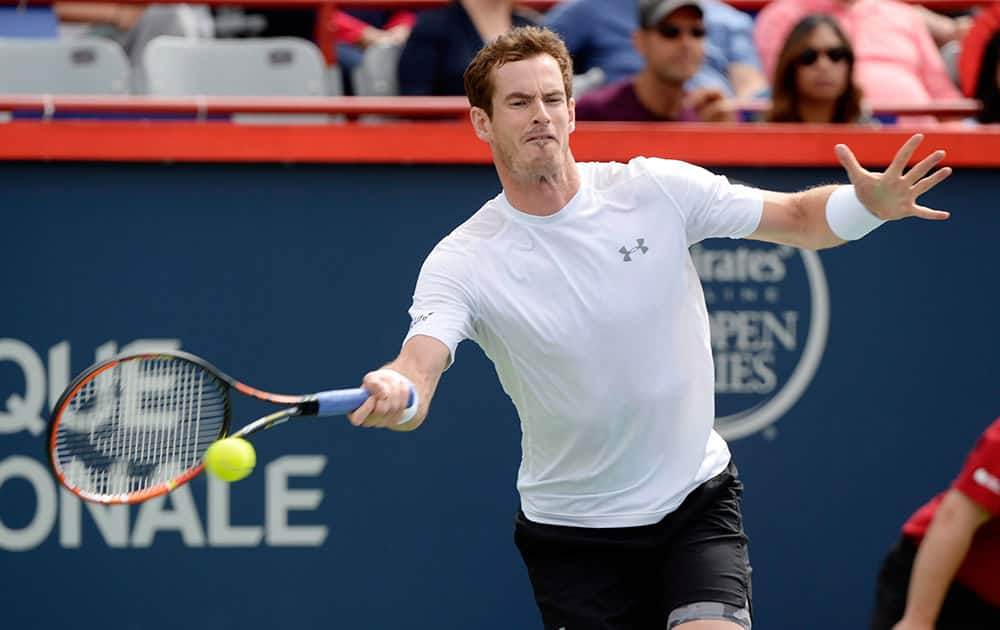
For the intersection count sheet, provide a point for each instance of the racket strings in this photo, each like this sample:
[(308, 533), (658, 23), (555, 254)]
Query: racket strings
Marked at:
[(139, 424)]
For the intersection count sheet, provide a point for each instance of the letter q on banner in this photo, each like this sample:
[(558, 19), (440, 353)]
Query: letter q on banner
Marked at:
[(23, 411)]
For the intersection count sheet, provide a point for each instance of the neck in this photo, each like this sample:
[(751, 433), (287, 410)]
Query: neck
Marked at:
[(663, 99), (541, 195), (817, 112)]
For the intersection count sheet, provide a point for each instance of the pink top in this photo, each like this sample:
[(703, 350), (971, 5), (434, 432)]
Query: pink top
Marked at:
[(897, 61)]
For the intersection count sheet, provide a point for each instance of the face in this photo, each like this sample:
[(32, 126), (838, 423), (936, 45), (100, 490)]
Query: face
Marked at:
[(532, 119), (675, 48), (822, 70)]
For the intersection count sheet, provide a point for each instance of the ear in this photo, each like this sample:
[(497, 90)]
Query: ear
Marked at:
[(481, 124), (572, 114), (639, 42)]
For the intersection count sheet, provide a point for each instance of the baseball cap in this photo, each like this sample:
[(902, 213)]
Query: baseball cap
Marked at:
[(651, 12)]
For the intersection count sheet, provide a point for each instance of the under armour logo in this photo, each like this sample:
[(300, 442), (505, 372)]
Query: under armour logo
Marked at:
[(639, 247), (420, 318)]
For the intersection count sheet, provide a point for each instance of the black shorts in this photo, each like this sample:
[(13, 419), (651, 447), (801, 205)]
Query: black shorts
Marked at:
[(962, 609), (634, 577)]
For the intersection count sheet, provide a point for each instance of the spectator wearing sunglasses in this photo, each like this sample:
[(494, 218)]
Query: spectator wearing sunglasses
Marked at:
[(598, 34), (896, 59), (670, 39), (814, 78)]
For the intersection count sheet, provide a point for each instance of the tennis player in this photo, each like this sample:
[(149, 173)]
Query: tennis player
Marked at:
[(577, 283)]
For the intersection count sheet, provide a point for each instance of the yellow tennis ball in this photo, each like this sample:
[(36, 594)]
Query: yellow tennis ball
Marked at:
[(230, 459)]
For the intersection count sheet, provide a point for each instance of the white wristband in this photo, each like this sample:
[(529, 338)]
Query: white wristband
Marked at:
[(411, 411), (847, 217)]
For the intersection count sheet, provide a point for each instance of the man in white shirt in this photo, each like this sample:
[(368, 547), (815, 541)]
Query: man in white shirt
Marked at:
[(577, 283)]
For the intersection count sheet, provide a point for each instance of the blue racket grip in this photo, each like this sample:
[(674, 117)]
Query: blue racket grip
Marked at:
[(340, 401)]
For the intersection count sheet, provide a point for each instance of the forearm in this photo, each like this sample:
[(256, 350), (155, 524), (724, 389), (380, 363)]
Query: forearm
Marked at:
[(798, 219), (422, 361), (937, 561), (943, 28), (748, 82), (100, 12)]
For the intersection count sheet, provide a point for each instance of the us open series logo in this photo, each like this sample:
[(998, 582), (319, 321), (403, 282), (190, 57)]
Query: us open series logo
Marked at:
[(769, 310)]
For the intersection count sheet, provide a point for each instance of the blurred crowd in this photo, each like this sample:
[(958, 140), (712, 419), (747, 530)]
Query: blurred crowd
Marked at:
[(814, 61)]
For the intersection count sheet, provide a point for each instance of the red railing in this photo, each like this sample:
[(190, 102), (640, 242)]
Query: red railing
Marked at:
[(408, 106), (448, 140)]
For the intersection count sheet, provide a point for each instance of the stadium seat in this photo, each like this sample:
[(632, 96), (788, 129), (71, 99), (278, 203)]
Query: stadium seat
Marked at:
[(376, 74), (53, 66), (159, 20), (280, 66)]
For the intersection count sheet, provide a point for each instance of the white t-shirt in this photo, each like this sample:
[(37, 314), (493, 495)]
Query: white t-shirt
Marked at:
[(595, 320)]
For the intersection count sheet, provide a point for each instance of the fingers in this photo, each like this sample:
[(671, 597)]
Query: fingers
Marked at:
[(390, 395), (716, 110), (849, 162), (359, 415), (930, 182), (923, 167), (697, 97), (701, 97), (930, 214), (903, 155)]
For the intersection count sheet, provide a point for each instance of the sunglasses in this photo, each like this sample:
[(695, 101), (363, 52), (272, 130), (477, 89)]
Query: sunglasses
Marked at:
[(671, 31), (809, 56)]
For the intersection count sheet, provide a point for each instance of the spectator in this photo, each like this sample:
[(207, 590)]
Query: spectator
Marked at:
[(814, 79), (445, 40), (356, 30), (670, 40), (598, 34), (979, 65), (943, 571), (134, 26), (896, 58)]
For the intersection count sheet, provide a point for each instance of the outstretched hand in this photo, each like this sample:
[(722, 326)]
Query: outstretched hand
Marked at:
[(893, 195)]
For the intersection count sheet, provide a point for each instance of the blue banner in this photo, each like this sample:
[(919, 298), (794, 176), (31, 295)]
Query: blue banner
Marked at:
[(850, 382)]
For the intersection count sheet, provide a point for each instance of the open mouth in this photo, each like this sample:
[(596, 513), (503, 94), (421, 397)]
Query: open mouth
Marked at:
[(540, 137)]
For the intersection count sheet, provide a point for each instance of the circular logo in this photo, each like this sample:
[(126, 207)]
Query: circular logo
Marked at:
[(769, 309)]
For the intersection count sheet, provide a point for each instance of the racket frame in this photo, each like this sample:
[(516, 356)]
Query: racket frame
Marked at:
[(300, 405)]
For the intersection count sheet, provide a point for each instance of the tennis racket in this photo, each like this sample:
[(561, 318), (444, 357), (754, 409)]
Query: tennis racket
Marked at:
[(137, 426)]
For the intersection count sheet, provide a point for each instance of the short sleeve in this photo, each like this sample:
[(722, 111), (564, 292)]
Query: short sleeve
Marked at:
[(710, 205), (980, 478), (443, 300)]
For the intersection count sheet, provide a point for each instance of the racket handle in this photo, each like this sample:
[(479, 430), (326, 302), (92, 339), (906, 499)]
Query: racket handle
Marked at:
[(340, 401)]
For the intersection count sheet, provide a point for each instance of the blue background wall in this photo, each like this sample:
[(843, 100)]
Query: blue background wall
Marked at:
[(297, 278)]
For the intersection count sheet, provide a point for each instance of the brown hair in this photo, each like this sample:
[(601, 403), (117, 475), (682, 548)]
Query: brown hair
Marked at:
[(523, 42), (785, 93)]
